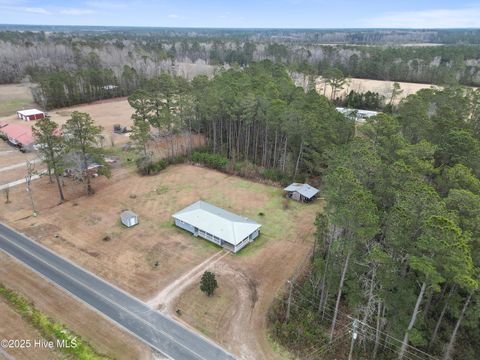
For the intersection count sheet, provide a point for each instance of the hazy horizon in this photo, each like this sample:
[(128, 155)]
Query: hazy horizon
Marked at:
[(249, 14), (238, 28)]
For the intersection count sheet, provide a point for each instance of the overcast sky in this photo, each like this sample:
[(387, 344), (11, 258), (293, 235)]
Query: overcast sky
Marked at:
[(246, 13)]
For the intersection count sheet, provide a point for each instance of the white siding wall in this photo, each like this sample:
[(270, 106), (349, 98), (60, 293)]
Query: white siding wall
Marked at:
[(185, 226), (205, 235)]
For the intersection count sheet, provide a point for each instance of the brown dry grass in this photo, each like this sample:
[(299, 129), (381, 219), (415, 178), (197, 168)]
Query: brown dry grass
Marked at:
[(146, 258), (10, 155), (13, 327), (99, 332), (382, 87), (15, 97)]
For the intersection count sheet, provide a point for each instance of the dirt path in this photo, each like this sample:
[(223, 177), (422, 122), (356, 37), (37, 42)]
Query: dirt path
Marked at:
[(164, 299), (7, 152), (18, 182), (241, 327), (19, 165)]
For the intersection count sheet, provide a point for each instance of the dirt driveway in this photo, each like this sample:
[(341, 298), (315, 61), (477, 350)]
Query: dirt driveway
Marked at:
[(151, 256)]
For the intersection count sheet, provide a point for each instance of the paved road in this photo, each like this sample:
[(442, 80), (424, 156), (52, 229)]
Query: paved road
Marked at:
[(160, 332)]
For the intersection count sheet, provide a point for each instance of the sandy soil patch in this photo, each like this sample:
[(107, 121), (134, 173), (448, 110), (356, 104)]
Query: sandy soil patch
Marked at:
[(382, 87), (99, 332)]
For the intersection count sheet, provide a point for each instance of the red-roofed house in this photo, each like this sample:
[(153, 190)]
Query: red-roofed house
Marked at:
[(18, 135)]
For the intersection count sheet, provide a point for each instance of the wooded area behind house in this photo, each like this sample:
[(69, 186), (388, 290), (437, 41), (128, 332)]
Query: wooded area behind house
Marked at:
[(398, 247)]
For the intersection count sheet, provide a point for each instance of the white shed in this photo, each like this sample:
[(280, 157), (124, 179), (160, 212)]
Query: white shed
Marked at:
[(129, 218)]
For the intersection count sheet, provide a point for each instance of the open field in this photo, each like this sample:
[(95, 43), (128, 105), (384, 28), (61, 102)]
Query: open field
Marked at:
[(147, 258), (14, 97), (105, 113), (105, 337), (383, 87)]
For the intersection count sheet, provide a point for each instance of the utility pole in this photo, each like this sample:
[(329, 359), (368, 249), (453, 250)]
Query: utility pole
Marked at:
[(289, 302), (354, 337)]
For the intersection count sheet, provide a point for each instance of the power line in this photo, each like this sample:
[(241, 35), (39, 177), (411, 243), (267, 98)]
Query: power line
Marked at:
[(394, 350), (371, 336), (329, 345), (365, 324), (400, 341), (345, 329), (393, 347)]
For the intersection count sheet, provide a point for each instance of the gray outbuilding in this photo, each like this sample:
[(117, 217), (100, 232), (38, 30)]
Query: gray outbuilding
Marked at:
[(229, 230), (129, 218), (301, 192)]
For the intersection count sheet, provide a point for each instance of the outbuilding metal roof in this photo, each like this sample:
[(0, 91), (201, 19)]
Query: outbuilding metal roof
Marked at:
[(19, 133), (29, 112), (127, 214), (303, 189), (218, 222)]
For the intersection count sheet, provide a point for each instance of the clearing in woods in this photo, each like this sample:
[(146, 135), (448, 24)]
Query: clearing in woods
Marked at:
[(15, 97), (148, 257), (105, 113), (382, 87)]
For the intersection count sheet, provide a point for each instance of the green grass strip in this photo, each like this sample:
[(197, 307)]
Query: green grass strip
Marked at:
[(49, 329)]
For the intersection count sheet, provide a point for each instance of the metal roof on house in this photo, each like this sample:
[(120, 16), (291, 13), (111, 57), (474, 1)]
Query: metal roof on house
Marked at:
[(303, 189), (218, 222), (127, 214), (29, 112), (19, 133)]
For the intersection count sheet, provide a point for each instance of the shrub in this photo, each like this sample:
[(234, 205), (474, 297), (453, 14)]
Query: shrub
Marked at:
[(176, 159), (146, 166), (275, 176), (214, 161)]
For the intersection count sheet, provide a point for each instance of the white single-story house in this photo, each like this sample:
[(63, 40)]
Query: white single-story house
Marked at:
[(30, 114), (129, 218), (229, 230), (301, 192)]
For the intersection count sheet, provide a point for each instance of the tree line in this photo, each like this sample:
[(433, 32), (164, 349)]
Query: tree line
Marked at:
[(147, 53), (398, 247), (251, 116)]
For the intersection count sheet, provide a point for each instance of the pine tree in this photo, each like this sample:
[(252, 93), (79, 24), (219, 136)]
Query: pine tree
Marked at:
[(208, 283), (52, 147)]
